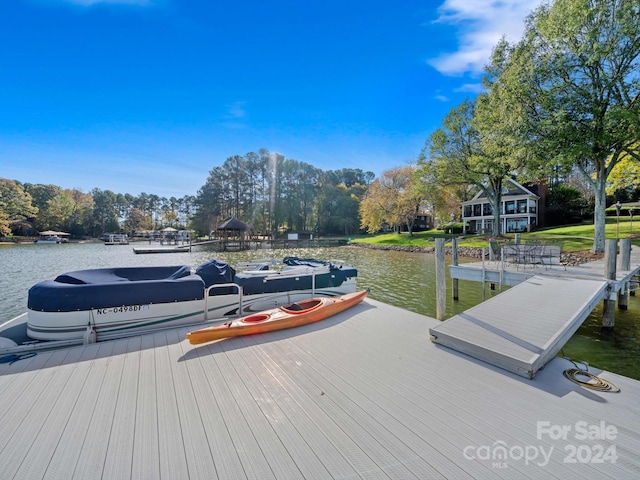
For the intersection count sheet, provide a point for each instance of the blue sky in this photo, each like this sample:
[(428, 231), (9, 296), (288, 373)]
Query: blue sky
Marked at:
[(149, 95)]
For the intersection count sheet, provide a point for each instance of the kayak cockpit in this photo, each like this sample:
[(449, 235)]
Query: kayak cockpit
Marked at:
[(303, 306)]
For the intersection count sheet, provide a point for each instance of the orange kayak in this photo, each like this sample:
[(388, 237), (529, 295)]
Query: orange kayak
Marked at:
[(287, 316)]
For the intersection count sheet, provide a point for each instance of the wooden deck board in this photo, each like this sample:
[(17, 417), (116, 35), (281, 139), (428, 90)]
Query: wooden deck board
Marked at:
[(94, 448), (308, 417), (362, 395), (145, 454), (414, 413), (414, 440), (120, 450), (238, 434), (173, 462), (493, 412), (48, 439), (262, 386)]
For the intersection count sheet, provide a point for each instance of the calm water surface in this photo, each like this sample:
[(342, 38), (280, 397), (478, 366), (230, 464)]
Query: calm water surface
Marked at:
[(406, 280)]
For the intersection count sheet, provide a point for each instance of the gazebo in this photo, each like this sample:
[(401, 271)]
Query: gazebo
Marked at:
[(233, 234), (169, 236)]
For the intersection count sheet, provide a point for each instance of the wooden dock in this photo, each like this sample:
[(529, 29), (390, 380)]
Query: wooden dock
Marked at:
[(364, 394), (524, 327), (163, 249)]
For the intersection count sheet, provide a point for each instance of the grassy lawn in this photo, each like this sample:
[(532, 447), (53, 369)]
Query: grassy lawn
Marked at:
[(577, 238)]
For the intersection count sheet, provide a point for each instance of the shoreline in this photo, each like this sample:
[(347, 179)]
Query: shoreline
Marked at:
[(570, 259)]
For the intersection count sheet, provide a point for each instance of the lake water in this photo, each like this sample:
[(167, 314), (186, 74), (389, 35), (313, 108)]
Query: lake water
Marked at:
[(403, 279)]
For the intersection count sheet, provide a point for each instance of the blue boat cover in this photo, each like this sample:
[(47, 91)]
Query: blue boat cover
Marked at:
[(115, 287), (131, 286), (252, 284), (215, 272)]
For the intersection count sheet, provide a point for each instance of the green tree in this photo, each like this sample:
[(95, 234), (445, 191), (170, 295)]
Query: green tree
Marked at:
[(17, 205), (137, 220), (467, 150), (81, 217), (105, 214), (575, 74), (563, 205), (624, 179), (337, 199), (209, 201), (4, 224), (443, 201), (42, 195), (392, 199)]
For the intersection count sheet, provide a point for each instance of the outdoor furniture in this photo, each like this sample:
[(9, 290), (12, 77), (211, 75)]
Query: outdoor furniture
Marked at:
[(530, 253), (495, 250), (533, 252), (513, 253), (551, 252)]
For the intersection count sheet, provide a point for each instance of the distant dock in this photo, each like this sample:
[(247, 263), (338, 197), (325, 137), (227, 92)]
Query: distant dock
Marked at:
[(222, 245), (163, 249)]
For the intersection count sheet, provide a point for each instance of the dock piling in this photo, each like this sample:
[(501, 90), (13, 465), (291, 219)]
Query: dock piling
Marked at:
[(608, 311), (625, 265), (441, 281), (454, 262)]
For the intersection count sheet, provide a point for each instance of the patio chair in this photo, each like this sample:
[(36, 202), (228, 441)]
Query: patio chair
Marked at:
[(495, 249)]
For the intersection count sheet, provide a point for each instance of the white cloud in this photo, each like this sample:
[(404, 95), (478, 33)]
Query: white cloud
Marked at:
[(88, 3), (470, 87), (236, 110), (480, 24), (234, 116)]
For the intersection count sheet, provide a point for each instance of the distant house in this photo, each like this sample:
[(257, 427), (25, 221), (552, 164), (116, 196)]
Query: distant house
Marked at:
[(521, 209), (421, 223)]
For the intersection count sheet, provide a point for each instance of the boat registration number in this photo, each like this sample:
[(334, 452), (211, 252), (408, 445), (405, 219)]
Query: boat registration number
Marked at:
[(122, 309)]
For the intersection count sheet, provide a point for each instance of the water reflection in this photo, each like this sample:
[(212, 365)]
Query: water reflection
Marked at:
[(403, 279)]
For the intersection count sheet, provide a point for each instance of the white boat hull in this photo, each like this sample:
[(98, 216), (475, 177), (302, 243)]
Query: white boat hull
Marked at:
[(135, 319)]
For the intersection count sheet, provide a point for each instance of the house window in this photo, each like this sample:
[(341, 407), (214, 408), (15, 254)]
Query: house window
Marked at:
[(522, 206), (467, 210), (477, 210), (488, 226), (532, 206), (486, 209), (516, 225), (509, 207)]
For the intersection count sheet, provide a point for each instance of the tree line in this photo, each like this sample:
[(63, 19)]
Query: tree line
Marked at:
[(562, 102), (268, 191), (563, 99)]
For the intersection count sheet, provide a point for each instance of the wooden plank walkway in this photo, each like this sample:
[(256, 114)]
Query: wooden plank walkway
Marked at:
[(364, 394), (524, 327)]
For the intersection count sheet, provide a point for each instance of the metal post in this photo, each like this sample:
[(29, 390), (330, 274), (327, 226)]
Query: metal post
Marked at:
[(441, 281), (625, 265), (454, 262), (484, 277), (608, 311)]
